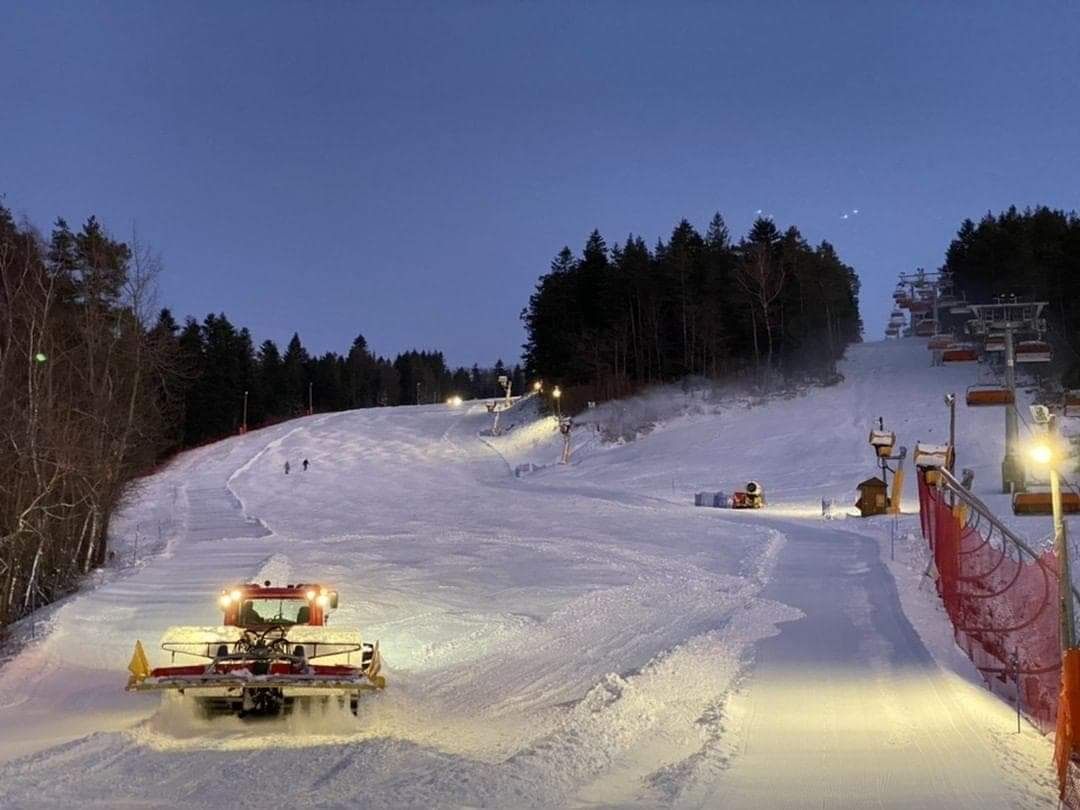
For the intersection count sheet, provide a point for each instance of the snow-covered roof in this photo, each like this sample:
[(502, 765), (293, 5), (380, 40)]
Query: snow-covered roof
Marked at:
[(931, 455), (882, 438)]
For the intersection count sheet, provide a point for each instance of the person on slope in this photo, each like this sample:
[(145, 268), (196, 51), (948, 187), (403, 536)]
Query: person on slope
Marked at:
[(286, 468), (305, 465)]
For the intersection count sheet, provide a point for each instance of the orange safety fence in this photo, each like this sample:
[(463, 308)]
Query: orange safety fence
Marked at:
[(1006, 615), (1068, 729)]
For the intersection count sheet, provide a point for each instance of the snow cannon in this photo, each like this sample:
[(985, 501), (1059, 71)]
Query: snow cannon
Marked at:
[(271, 652), (753, 497)]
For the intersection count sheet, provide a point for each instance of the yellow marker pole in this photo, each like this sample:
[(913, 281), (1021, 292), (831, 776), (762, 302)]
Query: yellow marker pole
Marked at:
[(139, 666), (897, 492)]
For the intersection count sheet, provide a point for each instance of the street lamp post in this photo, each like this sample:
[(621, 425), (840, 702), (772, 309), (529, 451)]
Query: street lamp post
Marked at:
[(1043, 453), (558, 400), (310, 408), (244, 428)]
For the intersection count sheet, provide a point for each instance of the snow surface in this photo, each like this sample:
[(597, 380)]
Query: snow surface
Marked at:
[(552, 635)]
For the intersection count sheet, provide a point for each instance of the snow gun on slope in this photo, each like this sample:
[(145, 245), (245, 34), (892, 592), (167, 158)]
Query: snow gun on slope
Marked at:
[(752, 497), (272, 649)]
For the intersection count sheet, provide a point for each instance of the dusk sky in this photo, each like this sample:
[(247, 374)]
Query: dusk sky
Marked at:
[(408, 170)]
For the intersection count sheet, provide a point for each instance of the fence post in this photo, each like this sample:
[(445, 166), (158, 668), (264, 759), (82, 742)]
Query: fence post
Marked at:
[(1015, 661)]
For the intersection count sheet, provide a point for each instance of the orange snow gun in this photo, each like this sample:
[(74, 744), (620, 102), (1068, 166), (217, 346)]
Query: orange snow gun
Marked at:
[(753, 497)]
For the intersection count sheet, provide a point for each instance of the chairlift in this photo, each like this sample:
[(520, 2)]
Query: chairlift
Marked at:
[(927, 327), (1033, 351), (1041, 503), (995, 343), (960, 309), (985, 395), (940, 341), (892, 331), (960, 353), (918, 306), (1071, 401), (896, 313)]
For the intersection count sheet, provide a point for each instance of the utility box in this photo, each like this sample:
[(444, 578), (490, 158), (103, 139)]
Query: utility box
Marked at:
[(716, 500), (873, 497)]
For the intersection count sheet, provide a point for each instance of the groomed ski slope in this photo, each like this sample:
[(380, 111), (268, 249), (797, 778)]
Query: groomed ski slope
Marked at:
[(576, 636)]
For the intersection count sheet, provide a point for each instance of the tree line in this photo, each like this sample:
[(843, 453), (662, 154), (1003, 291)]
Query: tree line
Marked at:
[(99, 387), (617, 318), (1033, 254), (222, 379)]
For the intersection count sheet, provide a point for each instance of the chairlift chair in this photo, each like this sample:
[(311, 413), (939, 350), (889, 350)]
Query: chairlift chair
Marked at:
[(940, 341), (1033, 351), (984, 395), (995, 343), (1040, 503), (1071, 401), (926, 327), (960, 353)]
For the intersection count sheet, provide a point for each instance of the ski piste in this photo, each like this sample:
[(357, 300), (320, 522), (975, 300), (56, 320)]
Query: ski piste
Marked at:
[(575, 634)]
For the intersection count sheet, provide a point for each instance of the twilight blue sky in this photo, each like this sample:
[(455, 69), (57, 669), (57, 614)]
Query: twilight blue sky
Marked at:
[(407, 170)]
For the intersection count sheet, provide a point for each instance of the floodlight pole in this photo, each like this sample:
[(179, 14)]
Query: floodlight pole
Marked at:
[(244, 429), (1061, 549), (1061, 546)]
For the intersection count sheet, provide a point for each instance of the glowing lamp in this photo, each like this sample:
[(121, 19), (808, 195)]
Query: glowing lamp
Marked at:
[(1041, 453)]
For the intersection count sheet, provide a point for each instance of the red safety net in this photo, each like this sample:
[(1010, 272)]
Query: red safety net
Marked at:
[(1003, 605), (1005, 612)]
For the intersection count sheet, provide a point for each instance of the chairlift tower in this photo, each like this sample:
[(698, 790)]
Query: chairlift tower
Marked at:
[(1007, 316), (926, 293)]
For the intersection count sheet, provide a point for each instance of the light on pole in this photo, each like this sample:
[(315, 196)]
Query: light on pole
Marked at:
[(558, 404), (310, 408), (243, 428), (1042, 453), (538, 386)]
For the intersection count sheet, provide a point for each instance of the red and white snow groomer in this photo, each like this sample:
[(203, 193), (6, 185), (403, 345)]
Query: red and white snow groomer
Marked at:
[(272, 649)]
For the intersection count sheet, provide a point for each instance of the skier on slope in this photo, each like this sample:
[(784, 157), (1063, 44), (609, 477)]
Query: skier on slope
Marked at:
[(286, 468), (305, 465)]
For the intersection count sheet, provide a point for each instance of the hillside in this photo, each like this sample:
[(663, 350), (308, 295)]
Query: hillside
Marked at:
[(576, 635)]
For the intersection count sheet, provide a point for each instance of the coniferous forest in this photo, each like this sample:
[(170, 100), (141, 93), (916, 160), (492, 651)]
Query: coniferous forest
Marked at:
[(1034, 255), (623, 316)]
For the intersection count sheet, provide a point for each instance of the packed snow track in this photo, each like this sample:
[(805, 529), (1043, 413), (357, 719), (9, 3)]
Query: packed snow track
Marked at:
[(576, 636)]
